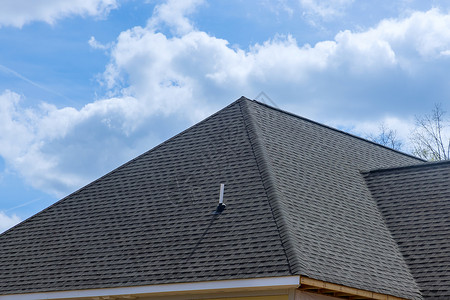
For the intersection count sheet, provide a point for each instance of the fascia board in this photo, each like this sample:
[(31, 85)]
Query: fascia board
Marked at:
[(254, 283)]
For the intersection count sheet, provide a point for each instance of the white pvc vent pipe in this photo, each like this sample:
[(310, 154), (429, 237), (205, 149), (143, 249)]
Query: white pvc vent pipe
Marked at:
[(222, 187)]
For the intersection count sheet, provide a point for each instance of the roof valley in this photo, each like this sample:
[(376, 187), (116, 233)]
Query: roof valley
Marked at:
[(264, 167)]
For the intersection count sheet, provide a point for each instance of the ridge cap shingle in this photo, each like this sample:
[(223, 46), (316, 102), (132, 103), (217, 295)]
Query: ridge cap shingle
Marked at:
[(425, 164), (269, 185)]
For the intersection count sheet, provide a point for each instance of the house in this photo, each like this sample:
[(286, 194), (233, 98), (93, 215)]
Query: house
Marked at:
[(312, 213)]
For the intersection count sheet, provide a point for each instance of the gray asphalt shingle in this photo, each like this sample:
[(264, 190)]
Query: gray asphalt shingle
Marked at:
[(297, 204), (415, 202), (151, 220), (331, 226)]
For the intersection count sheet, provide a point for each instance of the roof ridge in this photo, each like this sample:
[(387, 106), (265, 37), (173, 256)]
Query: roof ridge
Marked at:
[(334, 129), (426, 164), (269, 186)]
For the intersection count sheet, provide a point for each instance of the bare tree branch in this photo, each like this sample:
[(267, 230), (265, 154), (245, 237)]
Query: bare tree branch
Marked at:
[(430, 138), (387, 137)]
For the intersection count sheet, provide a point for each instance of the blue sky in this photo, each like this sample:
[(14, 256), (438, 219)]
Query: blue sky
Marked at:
[(86, 85)]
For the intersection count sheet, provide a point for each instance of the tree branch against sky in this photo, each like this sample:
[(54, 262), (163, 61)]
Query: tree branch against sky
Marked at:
[(387, 137), (430, 139)]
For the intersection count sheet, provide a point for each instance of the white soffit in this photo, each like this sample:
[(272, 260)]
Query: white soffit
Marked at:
[(256, 283)]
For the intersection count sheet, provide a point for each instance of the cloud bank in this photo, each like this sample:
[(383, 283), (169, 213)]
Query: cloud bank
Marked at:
[(183, 73), (20, 12)]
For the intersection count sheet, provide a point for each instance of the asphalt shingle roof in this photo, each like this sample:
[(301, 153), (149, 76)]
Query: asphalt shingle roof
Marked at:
[(415, 202), (151, 220), (297, 204), (331, 227)]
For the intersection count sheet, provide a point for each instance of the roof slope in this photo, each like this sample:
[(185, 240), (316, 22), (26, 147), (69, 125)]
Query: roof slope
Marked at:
[(151, 221), (415, 202), (296, 204), (332, 228)]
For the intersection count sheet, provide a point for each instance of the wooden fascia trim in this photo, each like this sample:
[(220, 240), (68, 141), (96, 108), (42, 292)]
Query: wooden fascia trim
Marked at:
[(345, 292)]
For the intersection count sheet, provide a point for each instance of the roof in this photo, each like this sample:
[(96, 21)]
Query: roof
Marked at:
[(331, 227), (297, 204), (415, 202), (151, 220)]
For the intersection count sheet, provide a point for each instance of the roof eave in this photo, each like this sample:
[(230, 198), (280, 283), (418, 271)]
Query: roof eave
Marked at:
[(253, 284), (341, 291)]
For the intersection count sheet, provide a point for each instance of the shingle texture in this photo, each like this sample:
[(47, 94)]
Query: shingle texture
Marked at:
[(297, 204), (415, 202), (331, 227), (151, 221)]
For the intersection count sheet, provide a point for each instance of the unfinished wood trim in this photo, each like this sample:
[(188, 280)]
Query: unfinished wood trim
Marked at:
[(341, 291)]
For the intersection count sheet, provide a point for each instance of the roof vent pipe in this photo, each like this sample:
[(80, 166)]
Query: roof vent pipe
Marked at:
[(221, 207)]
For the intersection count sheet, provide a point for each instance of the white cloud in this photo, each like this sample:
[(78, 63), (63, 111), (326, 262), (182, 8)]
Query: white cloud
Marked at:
[(279, 7), (427, 33), (44, 144), (195, 64), (7, 222), (20, 12), (343, 75), (187, 76), (96, 45), (174, 14), (325, 9)]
